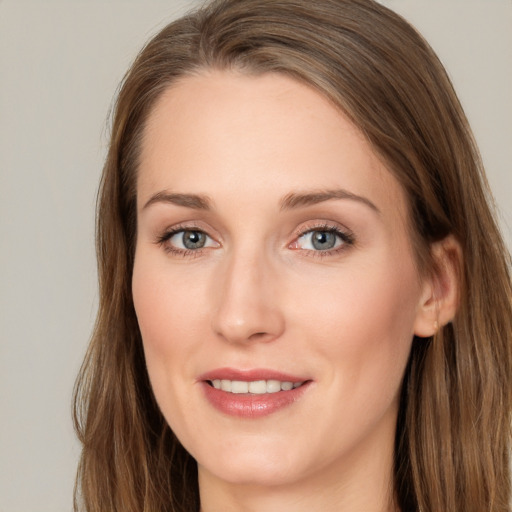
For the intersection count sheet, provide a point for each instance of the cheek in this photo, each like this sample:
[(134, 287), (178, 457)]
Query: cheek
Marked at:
[(364, 332), (164, 304), (364, 325), (154, 316), (161, 315), (167, 318), (153, 321)]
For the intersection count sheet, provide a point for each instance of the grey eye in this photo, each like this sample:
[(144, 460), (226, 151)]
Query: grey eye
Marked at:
[(323, 240), (189, 239), (193, 239), (320, 240)]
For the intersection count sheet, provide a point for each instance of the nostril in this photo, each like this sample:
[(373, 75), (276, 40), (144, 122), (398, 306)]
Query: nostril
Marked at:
[(258, 335)]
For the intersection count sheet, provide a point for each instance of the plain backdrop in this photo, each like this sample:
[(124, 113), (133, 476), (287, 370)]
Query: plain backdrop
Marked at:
[(60, 64)]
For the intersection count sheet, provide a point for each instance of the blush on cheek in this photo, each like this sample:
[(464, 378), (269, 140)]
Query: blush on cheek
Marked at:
[(148, 309)]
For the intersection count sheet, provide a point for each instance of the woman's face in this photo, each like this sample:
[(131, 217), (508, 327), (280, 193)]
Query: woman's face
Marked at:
[(273, 261)]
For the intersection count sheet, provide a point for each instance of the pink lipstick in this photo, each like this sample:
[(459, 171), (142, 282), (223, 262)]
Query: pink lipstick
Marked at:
[(252, 393)]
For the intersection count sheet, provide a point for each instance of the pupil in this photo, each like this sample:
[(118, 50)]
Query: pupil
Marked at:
[(323, 240), (193, 239)]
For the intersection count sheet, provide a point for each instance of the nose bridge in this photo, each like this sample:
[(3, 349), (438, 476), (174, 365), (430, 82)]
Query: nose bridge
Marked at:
[(248, 308)]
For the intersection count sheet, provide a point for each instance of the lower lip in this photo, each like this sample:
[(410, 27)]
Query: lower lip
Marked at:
[(249, 405)]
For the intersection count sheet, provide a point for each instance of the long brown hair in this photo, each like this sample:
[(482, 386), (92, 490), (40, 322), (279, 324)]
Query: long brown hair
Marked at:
[(453, 432)]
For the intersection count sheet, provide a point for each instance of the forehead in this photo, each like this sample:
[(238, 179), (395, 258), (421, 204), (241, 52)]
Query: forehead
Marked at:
[(219, 133)]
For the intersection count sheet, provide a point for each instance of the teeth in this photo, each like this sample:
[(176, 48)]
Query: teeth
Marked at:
[(273, 386), (239, 386), (256, 387)]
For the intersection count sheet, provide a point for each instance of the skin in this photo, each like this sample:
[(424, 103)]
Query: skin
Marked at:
[(260, 295)]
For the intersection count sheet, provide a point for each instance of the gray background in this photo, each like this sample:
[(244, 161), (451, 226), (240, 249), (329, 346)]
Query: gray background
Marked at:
[(60, 63)]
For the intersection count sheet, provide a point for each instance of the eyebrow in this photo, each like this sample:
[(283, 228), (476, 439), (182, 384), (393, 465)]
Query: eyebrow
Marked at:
[(194, 201), (289, 202), (300, 199)]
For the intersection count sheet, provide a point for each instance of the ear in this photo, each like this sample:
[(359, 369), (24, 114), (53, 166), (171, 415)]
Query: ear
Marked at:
[(440, 295)]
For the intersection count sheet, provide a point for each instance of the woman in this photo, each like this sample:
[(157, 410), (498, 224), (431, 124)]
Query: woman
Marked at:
[(305, 303)]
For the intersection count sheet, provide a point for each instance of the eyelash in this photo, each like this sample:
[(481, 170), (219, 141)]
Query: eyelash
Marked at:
[(165, 237), (346, 237)]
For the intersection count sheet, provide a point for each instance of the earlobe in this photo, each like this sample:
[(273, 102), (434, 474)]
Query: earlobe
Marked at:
[(440, 297)]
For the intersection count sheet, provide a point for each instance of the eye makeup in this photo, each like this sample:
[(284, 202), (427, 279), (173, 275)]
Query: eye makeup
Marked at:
[(318, 239)]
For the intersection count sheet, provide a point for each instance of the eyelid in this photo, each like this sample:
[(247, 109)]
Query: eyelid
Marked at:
[(322, 225), (186, 226)]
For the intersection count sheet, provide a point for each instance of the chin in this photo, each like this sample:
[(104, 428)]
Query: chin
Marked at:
[(264, 475), (252, 467)]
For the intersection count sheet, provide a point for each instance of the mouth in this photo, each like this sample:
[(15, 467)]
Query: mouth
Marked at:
[(254, 387), (254, 393)]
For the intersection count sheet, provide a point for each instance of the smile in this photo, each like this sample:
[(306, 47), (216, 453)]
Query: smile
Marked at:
[(252, 394), (256, 387)]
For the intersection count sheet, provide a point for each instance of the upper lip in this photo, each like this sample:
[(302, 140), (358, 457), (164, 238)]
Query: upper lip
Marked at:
[(249, 375)]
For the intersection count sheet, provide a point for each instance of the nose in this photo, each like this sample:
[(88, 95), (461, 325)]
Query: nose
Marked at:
[(248, 305)]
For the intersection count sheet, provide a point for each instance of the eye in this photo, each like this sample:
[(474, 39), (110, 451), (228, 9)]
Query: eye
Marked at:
[(182, 240), (189, 240), (322, 239)]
